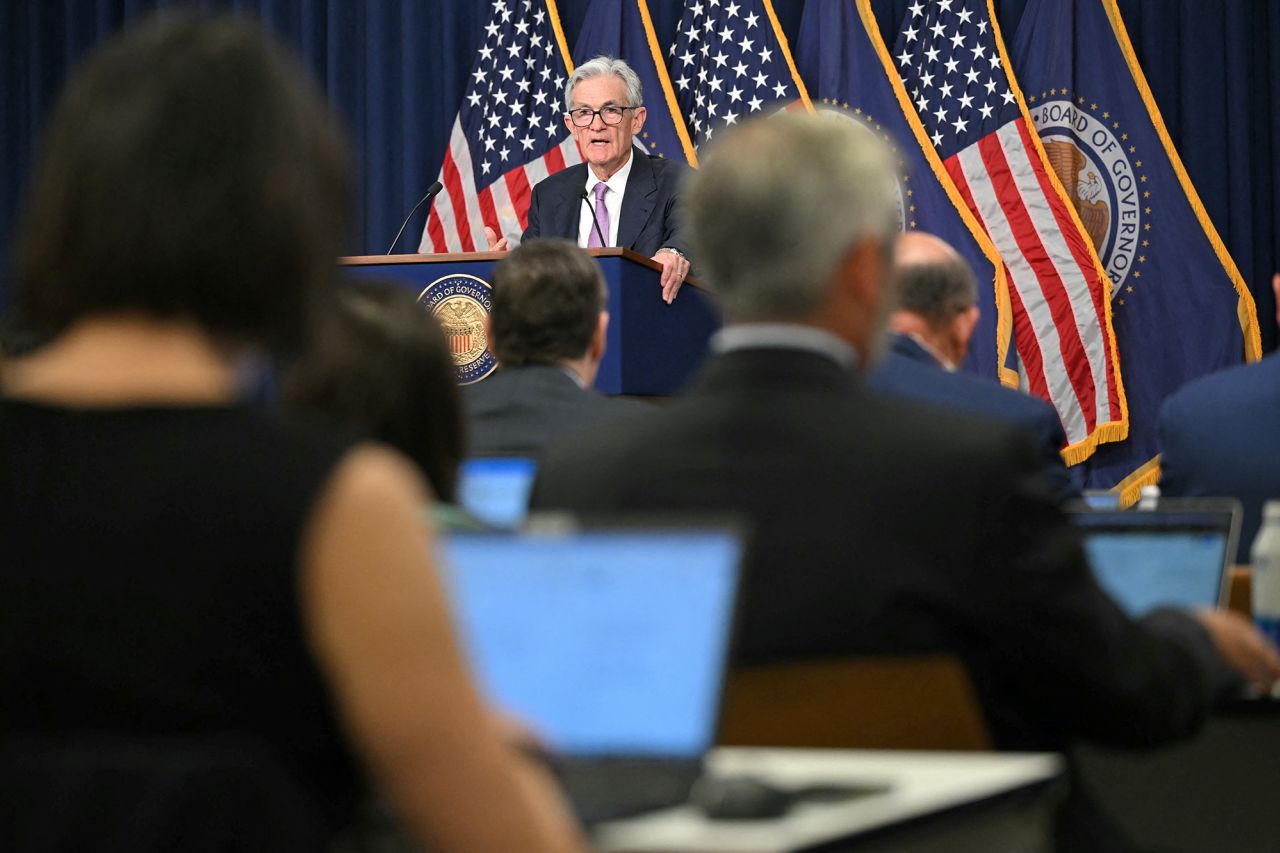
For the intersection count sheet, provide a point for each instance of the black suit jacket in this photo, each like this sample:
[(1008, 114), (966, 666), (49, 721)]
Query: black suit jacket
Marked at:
[(879, 529), (650, 218), (910, 371), (519, 410)]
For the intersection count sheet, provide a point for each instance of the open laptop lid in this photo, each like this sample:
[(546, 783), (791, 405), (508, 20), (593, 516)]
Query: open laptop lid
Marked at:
[(1176, 554), (496, 490), (611, 642)]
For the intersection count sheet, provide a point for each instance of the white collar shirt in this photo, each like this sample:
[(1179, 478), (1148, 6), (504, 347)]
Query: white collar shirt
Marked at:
[(784, 336), (617, 185)]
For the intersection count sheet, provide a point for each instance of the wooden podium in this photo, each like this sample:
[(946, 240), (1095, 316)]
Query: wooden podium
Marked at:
[(652, 347)]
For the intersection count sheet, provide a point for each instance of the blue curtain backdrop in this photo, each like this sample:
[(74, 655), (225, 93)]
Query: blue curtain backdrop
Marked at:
[(396, 69)]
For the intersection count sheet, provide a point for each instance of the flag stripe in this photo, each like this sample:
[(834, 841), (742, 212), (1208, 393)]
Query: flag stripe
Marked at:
[(488, 215), (502, 204), (452, 176), (1036, 240), (555, 158), (518, 192), (1085, 300), (453, 186), (434, 239), (1027, 343), (1032, 362), (466, 172), (1060, 391), (1070, 283)]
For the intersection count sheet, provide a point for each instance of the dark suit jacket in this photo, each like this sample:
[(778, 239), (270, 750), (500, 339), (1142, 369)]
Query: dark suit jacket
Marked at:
[(880, 529), (1220, 435), (650, 219), (519, 410), (910, 371)]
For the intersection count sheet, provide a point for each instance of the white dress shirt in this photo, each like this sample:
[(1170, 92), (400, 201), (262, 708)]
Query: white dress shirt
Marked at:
[(617, 185), (784, 336)]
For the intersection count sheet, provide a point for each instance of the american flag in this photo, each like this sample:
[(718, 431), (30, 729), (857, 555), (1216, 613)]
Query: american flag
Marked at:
[(951, 63), (731, 59), (510, 132)]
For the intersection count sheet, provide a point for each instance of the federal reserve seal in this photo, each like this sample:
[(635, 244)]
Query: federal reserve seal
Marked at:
[(1103, 182), (460, 303)]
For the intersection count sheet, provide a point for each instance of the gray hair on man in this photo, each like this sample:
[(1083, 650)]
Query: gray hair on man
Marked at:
[(599, 66), (778, 204)]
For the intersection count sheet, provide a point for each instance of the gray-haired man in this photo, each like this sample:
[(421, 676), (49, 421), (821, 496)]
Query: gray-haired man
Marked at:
[(879, 527), (620, 196)]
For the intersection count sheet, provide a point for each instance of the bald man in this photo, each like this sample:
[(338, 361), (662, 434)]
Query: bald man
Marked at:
[(929, 334)]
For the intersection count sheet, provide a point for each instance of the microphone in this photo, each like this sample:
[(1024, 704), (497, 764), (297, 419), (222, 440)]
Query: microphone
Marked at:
[(431, 193), (587, 200)]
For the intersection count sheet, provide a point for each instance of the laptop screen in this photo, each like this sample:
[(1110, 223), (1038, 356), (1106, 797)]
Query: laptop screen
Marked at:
[(496, 491), (608, 643), (1151, 558)]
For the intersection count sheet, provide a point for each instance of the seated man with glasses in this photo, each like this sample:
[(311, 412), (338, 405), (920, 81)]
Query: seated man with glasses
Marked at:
[(615, 198)]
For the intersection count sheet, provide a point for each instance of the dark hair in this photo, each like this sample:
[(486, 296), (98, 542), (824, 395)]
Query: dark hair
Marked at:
[(547, 299), (937, 291), (379, 360), (193, 171)]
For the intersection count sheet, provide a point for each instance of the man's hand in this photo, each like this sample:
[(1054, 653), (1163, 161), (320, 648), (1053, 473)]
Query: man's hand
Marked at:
[(1241, 646), (495, 245), (674, 268)]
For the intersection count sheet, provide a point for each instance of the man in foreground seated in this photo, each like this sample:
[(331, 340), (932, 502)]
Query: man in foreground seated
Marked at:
[(547, 328), (935, 314), (878, 528)]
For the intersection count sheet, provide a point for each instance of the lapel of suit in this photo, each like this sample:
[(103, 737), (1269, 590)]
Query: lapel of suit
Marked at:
[(638, 201), (568, 211)]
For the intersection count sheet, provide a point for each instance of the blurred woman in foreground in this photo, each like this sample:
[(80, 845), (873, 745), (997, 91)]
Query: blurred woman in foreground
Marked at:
[(177, 563)]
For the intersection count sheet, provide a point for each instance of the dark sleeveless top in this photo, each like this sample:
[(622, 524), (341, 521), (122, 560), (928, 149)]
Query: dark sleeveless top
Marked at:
[(149, 580)]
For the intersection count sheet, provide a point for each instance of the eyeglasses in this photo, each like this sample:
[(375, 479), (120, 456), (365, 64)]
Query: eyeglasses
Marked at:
[(583, 117)]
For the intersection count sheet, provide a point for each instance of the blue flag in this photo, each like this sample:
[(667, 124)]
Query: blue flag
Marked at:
[(731, 60), (624, 29), (1179, 306), (849, 71)]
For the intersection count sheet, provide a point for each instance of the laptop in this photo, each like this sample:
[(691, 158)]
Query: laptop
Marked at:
[(611, 643), (1177, 554), (496, 490)]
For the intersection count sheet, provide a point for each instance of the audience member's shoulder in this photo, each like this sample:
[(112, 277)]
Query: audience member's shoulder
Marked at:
[(1239, 382), (903, 377), (945, 435)]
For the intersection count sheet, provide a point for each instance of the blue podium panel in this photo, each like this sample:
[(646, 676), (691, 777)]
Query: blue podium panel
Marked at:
[(652, 349)]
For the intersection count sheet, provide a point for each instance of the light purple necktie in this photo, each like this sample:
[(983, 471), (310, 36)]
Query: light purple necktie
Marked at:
[(602, 217)]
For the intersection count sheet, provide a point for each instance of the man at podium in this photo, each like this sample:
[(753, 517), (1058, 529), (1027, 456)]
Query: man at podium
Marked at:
[(620, 196)]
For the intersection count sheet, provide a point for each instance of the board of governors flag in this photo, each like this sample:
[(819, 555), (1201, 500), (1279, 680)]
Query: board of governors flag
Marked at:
[(509, 133), (730, 59), (849, 72), (954, 67), (624, 29), (1179, 305)]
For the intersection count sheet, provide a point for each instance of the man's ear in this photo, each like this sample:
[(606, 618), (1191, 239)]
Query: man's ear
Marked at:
[(599, 338), (863, 273), (639, 114), (856, 304)]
